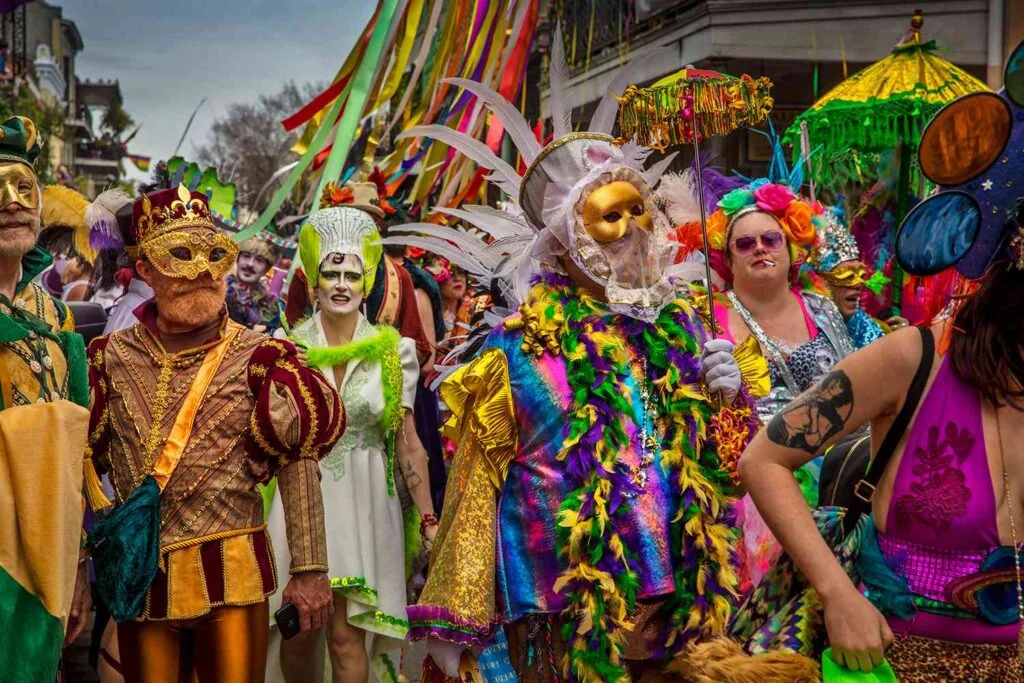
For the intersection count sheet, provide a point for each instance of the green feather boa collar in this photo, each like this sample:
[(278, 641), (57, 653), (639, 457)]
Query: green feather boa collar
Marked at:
[(381, 347)]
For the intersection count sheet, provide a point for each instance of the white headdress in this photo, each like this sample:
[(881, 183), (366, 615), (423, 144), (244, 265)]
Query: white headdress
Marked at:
[(340, 230)]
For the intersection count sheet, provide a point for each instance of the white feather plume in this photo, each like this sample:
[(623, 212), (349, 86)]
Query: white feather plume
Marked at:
[(440, 247), (498, 226), (653, 174), (506, 213), (677, 198), (101, 217), (480, 153), (513, 120), (472, 245), (558, 85)]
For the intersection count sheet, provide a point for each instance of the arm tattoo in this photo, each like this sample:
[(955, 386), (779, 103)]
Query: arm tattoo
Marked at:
[(816, 416), (412, 480)]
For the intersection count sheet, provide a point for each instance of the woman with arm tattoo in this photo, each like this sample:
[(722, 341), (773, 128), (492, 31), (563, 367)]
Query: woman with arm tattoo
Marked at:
[(376, 371), (759, 237), (938, 562)]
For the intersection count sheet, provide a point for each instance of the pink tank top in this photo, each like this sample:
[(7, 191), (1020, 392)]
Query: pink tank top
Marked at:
[(941, 521)]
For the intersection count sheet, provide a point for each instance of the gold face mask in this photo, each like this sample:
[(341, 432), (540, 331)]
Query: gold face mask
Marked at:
[(18, 186), (609, 209), (189, 254)]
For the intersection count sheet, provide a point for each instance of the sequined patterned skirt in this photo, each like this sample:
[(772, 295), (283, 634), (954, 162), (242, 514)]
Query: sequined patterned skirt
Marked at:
[(922, 660)]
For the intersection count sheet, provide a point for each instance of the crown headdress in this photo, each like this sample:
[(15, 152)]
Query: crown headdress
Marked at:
[(164, 212)]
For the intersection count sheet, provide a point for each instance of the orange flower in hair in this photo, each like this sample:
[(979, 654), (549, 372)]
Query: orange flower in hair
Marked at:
[(797, 222), (718, 227)]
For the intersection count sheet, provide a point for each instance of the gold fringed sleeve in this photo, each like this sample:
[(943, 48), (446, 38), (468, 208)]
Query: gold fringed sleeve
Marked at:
[(458, 602)]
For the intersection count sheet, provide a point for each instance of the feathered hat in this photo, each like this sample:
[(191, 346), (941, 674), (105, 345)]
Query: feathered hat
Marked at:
[(109, 218), (541, 224), (63, 206)]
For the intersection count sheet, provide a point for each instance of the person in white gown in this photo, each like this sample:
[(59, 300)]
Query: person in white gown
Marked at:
[(375, 371)]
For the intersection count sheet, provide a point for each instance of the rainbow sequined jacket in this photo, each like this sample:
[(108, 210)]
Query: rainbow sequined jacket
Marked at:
[(518, 516)]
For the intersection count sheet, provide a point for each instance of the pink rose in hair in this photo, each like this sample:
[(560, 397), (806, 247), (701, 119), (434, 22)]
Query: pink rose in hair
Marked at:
[(774, 199)]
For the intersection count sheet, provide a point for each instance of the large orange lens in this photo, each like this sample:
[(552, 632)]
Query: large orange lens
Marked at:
[(965, 138)]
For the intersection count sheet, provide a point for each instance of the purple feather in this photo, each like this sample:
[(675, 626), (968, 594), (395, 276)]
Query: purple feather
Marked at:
[(716, 184), (105, 235)]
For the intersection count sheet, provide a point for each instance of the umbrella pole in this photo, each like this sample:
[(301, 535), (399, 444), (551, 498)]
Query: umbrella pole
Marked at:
[(704, 232)]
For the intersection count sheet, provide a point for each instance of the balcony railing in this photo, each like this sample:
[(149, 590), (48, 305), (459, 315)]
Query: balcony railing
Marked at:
[(593, 27)]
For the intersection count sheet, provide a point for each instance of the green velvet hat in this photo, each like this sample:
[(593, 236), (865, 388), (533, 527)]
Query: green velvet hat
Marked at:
[(19, 140)]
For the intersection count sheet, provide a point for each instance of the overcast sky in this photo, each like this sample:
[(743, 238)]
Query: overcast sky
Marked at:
[(170, 54)]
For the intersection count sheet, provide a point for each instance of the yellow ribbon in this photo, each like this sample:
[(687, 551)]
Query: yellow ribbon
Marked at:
[(165, 465)]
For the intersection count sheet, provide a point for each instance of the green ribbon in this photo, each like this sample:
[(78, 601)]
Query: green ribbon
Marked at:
[(361, 84), (357, 91)]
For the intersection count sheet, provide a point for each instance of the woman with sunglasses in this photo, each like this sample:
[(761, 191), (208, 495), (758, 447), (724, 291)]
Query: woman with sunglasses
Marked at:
[(758, 238)]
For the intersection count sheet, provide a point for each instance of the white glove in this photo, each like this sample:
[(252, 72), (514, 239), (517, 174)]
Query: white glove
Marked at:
[(720, 370), (446, 655)]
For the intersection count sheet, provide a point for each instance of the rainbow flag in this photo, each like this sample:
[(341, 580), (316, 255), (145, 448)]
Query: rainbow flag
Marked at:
[(141, 162), (41, 454)]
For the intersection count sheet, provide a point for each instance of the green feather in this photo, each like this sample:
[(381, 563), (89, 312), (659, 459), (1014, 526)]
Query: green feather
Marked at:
[(373, 252), (309, 253)]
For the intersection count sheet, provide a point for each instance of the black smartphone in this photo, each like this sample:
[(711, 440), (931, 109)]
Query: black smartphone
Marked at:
[(287, 619)]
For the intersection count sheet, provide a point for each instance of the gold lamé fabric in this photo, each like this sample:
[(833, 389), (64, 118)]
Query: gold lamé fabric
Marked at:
[(212, 491), (18, 357), (461, 580), (753, 367), (228, 646)]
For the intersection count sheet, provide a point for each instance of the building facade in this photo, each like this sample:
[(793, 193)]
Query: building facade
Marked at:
[(804, 46)]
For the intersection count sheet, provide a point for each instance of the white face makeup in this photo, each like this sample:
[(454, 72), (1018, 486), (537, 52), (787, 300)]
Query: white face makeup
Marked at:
[(339, 290)]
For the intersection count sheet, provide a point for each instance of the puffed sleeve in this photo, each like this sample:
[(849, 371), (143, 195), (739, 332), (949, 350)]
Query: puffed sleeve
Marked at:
[(297, 419), (410, 371), (98, 444), (458, 601)]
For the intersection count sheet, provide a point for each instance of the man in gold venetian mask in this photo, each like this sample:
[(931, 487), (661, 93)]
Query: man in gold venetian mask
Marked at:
[(44, 590), (189, 412), (586, 513)]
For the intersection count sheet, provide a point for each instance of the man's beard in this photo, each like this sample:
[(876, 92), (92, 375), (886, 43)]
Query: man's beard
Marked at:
[(191, 303), (18, 241)]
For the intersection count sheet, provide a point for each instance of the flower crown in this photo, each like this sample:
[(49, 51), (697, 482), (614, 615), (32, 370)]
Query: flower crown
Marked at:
[(795, 216)]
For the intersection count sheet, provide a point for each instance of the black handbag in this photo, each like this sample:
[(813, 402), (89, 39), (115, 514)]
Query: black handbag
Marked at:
[(848, 475)]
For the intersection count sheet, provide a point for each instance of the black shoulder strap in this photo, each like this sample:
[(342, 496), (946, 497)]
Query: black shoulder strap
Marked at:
[(865, 488)]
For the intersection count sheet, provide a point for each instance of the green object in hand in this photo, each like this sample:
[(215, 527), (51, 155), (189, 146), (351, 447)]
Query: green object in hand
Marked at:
[(833, 672)]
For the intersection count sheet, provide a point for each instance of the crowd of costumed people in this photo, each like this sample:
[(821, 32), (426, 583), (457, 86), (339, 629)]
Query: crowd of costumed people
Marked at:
[(593, 409)]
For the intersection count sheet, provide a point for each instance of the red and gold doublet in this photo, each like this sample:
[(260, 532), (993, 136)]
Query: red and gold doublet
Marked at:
[(262, 415)]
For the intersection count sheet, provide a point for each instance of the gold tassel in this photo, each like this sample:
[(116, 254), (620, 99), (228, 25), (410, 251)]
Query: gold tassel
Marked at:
[(93, 489)]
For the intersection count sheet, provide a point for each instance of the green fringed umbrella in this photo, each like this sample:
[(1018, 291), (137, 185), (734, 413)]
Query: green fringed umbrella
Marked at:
[(883, 107)]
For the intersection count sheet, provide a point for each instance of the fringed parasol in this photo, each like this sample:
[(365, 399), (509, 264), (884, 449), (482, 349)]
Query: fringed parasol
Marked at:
[(883, 107), (713, 103)]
